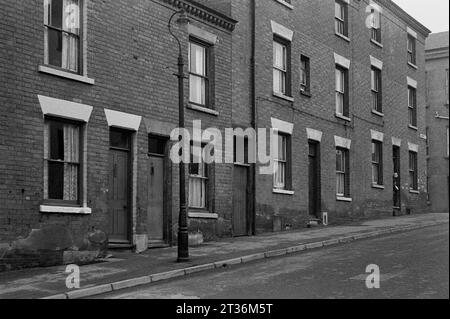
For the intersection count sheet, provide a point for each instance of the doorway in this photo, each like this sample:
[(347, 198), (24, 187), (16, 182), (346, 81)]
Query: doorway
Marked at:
[(396, 178), (156, 191), (119, 187), (314, 179), (241, 198)]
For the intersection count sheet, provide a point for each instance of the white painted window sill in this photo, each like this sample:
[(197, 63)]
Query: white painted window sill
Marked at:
[(413, 127), (343, 117), (66, 75), (377, 113), (65, 210), (376, 43), (343, 37), (288, 5), (378, 186), (202, 109), (344, 199), (412, 191), (284, 97), (413, 65), (202, 214), (283, 192)]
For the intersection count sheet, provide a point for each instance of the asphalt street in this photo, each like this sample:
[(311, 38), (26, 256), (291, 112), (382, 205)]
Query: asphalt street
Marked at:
[(413, 264)]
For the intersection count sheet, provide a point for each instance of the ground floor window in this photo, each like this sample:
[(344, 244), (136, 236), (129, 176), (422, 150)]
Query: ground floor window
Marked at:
[(377, 163), (62, 161), (413, 171), (342, 172), (198, 181)]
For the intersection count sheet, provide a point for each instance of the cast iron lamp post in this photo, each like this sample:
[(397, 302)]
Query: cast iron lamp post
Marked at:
[(183, 237)]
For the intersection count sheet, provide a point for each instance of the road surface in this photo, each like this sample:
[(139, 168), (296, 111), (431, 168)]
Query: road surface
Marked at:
[(412, 265)]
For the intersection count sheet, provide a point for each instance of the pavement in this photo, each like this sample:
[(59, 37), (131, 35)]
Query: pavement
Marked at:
[(126, 270), (412, 265)]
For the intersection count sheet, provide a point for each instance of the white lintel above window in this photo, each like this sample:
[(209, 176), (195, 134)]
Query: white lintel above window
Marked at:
[(282, 126), (376, 63), (202, 34), (314, 135), (411, 32), (282, 31), (123, 120), (377, 136), (396, 141), (413, 147), (340, 60), (342, 142), (65, 109), (411, 82)]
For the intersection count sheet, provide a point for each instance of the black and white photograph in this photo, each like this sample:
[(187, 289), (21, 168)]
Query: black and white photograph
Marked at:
[(217, 158)]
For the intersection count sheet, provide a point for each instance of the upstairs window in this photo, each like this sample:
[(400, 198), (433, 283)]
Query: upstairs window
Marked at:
[(411, 50), (281, 66), (342, 104), (376, 26), (341, 17), (199, 73), (412, 106), (62, 34), (304, 75), (376, 90)]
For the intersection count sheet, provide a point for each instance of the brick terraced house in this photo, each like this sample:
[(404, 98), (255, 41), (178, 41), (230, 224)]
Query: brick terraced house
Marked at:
[(437, 65), (89, 100), (348, 101)]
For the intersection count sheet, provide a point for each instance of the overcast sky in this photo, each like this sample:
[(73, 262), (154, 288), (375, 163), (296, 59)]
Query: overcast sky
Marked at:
[(431, 13)]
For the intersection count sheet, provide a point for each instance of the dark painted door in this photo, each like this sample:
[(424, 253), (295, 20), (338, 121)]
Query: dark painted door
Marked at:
[(118, 201), (314, 179), (396, 177), (155, 211), (240, 200)]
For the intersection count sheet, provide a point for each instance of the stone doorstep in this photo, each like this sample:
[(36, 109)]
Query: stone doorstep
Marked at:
[(96, 290)]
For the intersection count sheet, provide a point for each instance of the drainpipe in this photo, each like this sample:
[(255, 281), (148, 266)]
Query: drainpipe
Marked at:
[(254, 120)]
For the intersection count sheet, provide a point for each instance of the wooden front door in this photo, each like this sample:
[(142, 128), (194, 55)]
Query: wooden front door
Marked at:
[(118, 195), (156, 191), (240, 200), (396, 178), (314, 179)]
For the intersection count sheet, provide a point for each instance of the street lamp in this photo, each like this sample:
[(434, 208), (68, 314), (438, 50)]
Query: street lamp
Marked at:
[(183, 237)]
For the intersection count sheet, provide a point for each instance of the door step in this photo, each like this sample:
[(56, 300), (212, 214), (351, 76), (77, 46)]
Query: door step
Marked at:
[(157, 244), (314, 222), (119, 245)]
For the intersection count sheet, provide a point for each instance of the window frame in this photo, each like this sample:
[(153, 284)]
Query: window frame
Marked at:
[(413, 171), (377, 91), (209, 72), (287, 163), (286, 44), (80, 37), (412, 106), (345, 158), (345, 97), (412, 52), (306, 71), (342, 20), (80, 165), (377, 162), (205, 178), (375, 33)]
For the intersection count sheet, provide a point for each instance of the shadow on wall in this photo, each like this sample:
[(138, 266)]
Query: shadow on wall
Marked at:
[(53, 245)]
